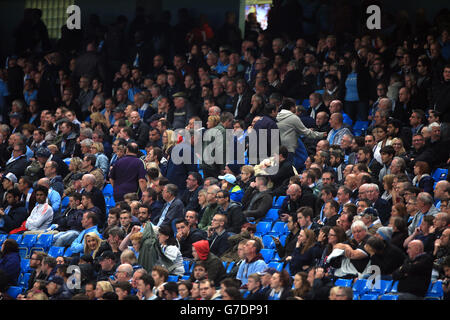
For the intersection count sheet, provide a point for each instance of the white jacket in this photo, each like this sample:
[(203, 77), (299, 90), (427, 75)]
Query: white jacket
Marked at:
[(40, 218)]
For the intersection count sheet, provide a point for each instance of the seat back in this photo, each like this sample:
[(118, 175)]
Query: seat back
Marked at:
[(267, 254), (17, 237), (389, 297), (56, 251), (343, 282), (172, 278), (263, 227), (280, 228), (369, 296), (230, 266), (271, 215), (276, 265), (268, 242), (14, 291)]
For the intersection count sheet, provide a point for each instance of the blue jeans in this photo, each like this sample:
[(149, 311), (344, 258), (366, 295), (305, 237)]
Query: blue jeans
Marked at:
[(65, 239)]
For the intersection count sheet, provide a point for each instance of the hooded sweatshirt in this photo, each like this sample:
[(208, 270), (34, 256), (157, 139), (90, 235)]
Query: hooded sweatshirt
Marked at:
[(291, 127), (216, 270)]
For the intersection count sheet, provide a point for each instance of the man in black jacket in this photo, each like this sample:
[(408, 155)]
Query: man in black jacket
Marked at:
[(218, 235), (186, 236), (414, 275), (232, 211), (18, 161), (257, 199), (189, 196), (295, 199), (14, 213), (140, 129)]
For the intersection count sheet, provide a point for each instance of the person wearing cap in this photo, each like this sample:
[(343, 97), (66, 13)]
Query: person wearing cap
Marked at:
[(15, 120), (8, 182), (229, 184), (14, 213), (371, 220), (183, 110), (57, 290), (108, 265)]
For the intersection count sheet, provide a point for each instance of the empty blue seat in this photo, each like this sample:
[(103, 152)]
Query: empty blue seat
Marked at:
[(394, 288), (343, 282), (359, 127), (230, 266), (24, 265), (305, 103), (26, 244), (276, 257), (378, 288), (108, 190), (14, 291), (440, 174), (17, 237), (268, 242), (278, 202), (358, 286), (389, 297), (172, 278), (435, 290), (283, 239), (23, 280), (3, 237), (225, 264), (43, 243), (271, 215), (68, 252), (267, 254), (263, 227), (369, 296), (185, 278), (276, 265), (280, 228), (56, 252), (186, 264)]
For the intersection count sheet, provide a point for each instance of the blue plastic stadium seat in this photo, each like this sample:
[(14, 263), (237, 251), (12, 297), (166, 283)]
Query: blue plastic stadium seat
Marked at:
[(263, 227), (56, 252), (435, 290), (287, 267), (383, 287), (16, 236), (440, 174), (359, 127), (230, 266), (185, 278), (267, 254), (358, 286), (14, 291), (68, 252), (283, 239), (108, 190), (224, 264), (280, 228), (43, 243), (369, 296), (277, 265), (143, 151), (271, 215), (278, 202), (67, 161), (3, 237), (268, 242), (64, 203), (186, 264), (305, 103), (24, 265), (276, 257), (172, 278), (389, 297), (26, 244), (343, 282), (394, 288), (23, 280)]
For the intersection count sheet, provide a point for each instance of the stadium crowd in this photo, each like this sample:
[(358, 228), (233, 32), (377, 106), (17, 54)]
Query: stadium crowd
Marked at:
[(90, 125)]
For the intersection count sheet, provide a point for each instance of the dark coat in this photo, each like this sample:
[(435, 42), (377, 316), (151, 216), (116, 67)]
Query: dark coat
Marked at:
[(190, 199), (14, 219), (186, 244), (17, 166), (299, 260), (141, 134), (259, 204), (414, 276), (244, 105), (235, 217), (175, 211), (10, 264), (218, 244)]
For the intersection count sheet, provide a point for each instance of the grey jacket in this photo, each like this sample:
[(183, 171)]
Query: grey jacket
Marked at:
[(291, 127)]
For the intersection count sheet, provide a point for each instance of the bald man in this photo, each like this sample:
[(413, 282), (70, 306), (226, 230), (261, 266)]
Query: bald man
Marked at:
[(414, 275), (441, 192), (295, 199)]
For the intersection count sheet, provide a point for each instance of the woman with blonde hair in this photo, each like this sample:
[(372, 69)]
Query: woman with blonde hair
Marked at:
[(74, 168), (398, 146), (169, 141), (102, 161), (212, 121), (101, 288), (97, 117), (92, 243), (388, 181)]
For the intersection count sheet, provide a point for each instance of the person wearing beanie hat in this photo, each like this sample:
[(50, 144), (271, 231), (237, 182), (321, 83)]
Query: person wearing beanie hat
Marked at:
[(216, 270), (385, 233)]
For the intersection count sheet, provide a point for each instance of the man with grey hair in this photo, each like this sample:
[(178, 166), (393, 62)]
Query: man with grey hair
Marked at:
[(426, 207), (173, 209), (398, 166), (382, 206), (124, 272), (211, 208), (88, 184)]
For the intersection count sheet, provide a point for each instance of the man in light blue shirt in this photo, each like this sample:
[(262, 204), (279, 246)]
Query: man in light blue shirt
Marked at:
[(253, 262), (89, 223)]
